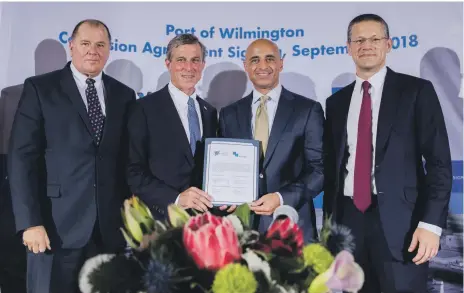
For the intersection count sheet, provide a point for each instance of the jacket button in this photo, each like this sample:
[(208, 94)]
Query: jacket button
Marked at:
[(261, 175), (94, 185)]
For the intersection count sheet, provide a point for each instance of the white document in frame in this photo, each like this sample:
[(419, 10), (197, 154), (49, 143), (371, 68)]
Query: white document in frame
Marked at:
[(231, 172)]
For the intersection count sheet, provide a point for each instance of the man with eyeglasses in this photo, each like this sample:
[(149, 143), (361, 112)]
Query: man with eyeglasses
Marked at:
[(377, 131)]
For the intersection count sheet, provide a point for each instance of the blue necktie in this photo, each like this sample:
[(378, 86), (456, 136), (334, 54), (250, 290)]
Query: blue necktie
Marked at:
[(194, 125)]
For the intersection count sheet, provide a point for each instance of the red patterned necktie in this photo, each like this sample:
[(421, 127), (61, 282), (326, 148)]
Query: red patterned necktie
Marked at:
[(363, 164)]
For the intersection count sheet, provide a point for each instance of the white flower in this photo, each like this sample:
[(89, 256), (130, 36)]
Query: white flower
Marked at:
[(255, 264), (89, 266), (236, 223), (284, 290)]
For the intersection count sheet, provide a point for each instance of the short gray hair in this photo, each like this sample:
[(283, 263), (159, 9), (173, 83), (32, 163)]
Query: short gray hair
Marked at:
[(185, 39)]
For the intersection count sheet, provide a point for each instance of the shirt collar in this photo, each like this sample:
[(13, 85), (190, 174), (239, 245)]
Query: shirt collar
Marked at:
[(375, 80), (82, 77), (178, 95), (274, 94)]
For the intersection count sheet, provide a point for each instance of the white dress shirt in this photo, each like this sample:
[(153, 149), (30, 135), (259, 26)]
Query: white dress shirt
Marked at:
[(271, 106), (376, 89), (180, 100), (82, 86)]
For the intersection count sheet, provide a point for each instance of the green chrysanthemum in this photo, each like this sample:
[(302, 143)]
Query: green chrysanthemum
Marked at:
[(318, 257), (234, 278)]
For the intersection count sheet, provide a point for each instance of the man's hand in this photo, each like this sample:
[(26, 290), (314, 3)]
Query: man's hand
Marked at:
[(266, 204), (230, 209), (195, 198), (428, 245), (36, 239)]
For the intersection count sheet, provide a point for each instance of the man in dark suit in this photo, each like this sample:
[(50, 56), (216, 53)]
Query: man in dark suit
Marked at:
[(166, 133), (377, 131), (49, 55), (290, 129), (66, 163)]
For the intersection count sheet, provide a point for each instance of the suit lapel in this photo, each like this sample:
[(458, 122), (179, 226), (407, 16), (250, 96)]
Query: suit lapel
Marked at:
[(283, 114), (244, 117), (205, 118), (340, 129), (387, 113), (172, 118), (110, 106), (69, 87)]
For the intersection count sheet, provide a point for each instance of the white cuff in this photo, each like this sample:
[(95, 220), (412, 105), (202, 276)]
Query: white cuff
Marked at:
[(432, 228), (281, 199), (177, 199)]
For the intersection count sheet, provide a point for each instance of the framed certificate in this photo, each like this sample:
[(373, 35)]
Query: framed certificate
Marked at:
[(231, 168)]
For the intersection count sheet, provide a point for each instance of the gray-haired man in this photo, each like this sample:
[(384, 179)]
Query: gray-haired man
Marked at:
[(166, 131)]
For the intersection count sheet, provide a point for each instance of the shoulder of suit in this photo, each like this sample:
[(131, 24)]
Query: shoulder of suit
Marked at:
[(46, 78), (117, 83), (243, 101), (341, 93), (410, 80), (301, 100), (205, 104), (154, 97)]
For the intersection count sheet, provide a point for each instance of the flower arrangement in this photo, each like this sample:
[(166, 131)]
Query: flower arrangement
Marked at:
[(207, 253)]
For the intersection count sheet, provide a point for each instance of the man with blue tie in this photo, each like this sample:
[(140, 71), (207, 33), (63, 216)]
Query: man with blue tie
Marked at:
[(378, 131), (166, 134), (289, 128)]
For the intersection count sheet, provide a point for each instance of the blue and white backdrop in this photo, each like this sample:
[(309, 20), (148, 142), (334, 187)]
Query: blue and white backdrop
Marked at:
[(427, 42)]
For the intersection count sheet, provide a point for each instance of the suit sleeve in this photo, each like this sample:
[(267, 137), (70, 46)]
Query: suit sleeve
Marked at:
[(2, 123), (25, 159), (124, 156), (329, 165), (434, 147), (310, 183), (154, 192)]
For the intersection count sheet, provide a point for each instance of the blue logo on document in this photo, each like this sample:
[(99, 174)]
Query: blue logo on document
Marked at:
[(237, 155)]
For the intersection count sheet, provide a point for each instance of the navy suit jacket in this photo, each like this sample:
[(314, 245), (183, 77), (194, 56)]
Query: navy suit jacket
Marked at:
[(293, 164), (58, 175), (161, 164), (410, 126)]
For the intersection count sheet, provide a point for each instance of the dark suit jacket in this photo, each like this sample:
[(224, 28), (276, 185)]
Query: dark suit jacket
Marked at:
[(9, 99), (293, 164), (410, 126), (161, 164), (59, 177)]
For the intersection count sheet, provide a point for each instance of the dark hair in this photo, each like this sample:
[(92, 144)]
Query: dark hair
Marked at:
[(368, 17), (185, 39), (91, 22)]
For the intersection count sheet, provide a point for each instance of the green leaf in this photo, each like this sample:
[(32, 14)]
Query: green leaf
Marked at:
[(178, 217), (266, 256), (243, 213), (129, 239), (159, 227)]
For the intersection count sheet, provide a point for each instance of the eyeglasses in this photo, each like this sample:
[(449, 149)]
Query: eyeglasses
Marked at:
[(374, 41)]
